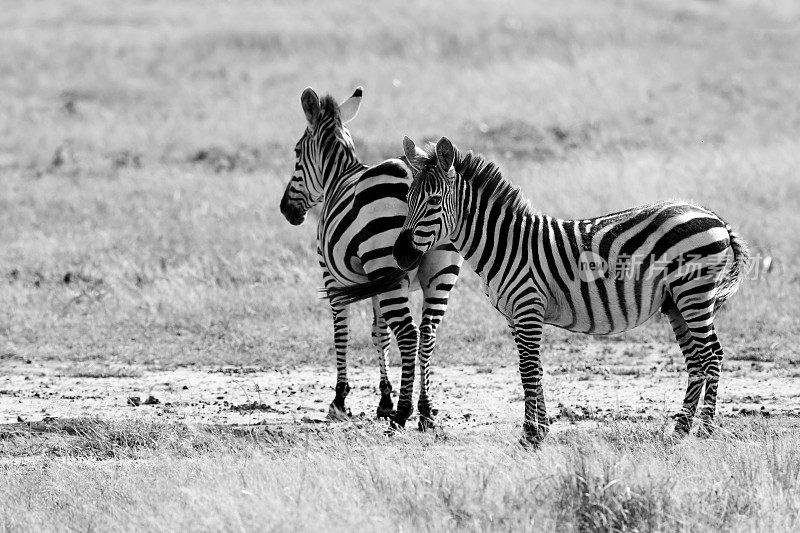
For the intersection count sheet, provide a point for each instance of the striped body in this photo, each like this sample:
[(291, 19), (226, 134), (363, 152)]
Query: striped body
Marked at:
[(360, 222), (363, 210), (601, 275)]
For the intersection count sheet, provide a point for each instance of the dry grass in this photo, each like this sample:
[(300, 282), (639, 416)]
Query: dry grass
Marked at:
[(144, 147), (621, 477)]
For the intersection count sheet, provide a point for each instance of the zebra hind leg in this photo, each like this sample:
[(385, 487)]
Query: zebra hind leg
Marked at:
[(338, 411), (693, 322), (683, 419), (381, 340), (711, 368)]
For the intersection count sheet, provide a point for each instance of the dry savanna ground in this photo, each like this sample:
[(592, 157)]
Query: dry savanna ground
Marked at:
[(144, 147)]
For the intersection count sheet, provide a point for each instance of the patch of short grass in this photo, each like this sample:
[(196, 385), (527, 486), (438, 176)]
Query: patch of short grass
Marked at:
[(101, 372)]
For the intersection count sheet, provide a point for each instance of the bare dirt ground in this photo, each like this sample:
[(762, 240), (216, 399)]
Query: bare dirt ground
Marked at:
[(470, 399)]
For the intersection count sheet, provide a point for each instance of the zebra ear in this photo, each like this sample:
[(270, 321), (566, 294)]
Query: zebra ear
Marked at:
[(310, 103), (349, 109), (412, 153), (445, 156)]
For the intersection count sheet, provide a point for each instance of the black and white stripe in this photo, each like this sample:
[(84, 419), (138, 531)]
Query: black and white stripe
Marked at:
[(599, 275), (363, 210)]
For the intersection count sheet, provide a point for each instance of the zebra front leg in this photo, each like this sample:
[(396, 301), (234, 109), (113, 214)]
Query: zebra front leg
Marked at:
[(427, 333), (438, 274), (337, 411), (528, 337), (396, 312), (381, 340)]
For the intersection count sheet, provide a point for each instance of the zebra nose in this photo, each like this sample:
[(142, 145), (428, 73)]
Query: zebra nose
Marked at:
[(406, 255), (291, 213)]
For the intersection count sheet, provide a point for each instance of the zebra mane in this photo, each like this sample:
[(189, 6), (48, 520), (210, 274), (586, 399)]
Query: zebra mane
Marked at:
[(329, 107), (484, 176)]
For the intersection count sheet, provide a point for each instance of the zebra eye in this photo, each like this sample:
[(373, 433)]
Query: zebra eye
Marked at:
[(435, 200)]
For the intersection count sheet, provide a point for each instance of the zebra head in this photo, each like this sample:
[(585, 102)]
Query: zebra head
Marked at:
[(431, 201), (324, 151)]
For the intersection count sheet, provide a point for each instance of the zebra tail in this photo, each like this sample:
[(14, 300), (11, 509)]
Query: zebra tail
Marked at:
[(362, 291), (734, 276)]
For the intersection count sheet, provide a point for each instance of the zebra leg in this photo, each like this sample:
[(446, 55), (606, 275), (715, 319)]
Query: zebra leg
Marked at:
[(438, 274), (711, 367), (431, 317), (683, 420), (528, 337), (513, 331), (337, 410), (395, 310), (381, 340)]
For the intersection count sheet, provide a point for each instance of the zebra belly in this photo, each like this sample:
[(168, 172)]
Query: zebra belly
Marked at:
[(613, 299), (606, 305)]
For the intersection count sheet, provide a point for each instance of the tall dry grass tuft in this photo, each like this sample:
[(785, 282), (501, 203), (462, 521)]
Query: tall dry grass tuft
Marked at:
[(603, 500)]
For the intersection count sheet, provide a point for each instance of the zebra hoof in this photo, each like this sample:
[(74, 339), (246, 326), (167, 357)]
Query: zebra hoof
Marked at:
[(401, 415), (425, 423), (705, 431), (338, 414), (681, 431), (531, 445), (385, 414), (386, 407), (533, 435), (394, 427)]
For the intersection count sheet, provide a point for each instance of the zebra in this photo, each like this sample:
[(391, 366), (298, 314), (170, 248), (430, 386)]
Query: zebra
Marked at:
[(598, 275), (363, 210)]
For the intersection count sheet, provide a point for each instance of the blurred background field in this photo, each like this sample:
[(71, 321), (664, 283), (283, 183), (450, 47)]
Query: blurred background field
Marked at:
[(144, 147)]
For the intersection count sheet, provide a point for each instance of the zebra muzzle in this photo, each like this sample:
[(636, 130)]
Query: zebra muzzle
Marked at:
[(404, 251), (294, 215)]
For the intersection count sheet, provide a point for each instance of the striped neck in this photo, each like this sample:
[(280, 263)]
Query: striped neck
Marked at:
[(336, 173), (337, 167), (489, 209)]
